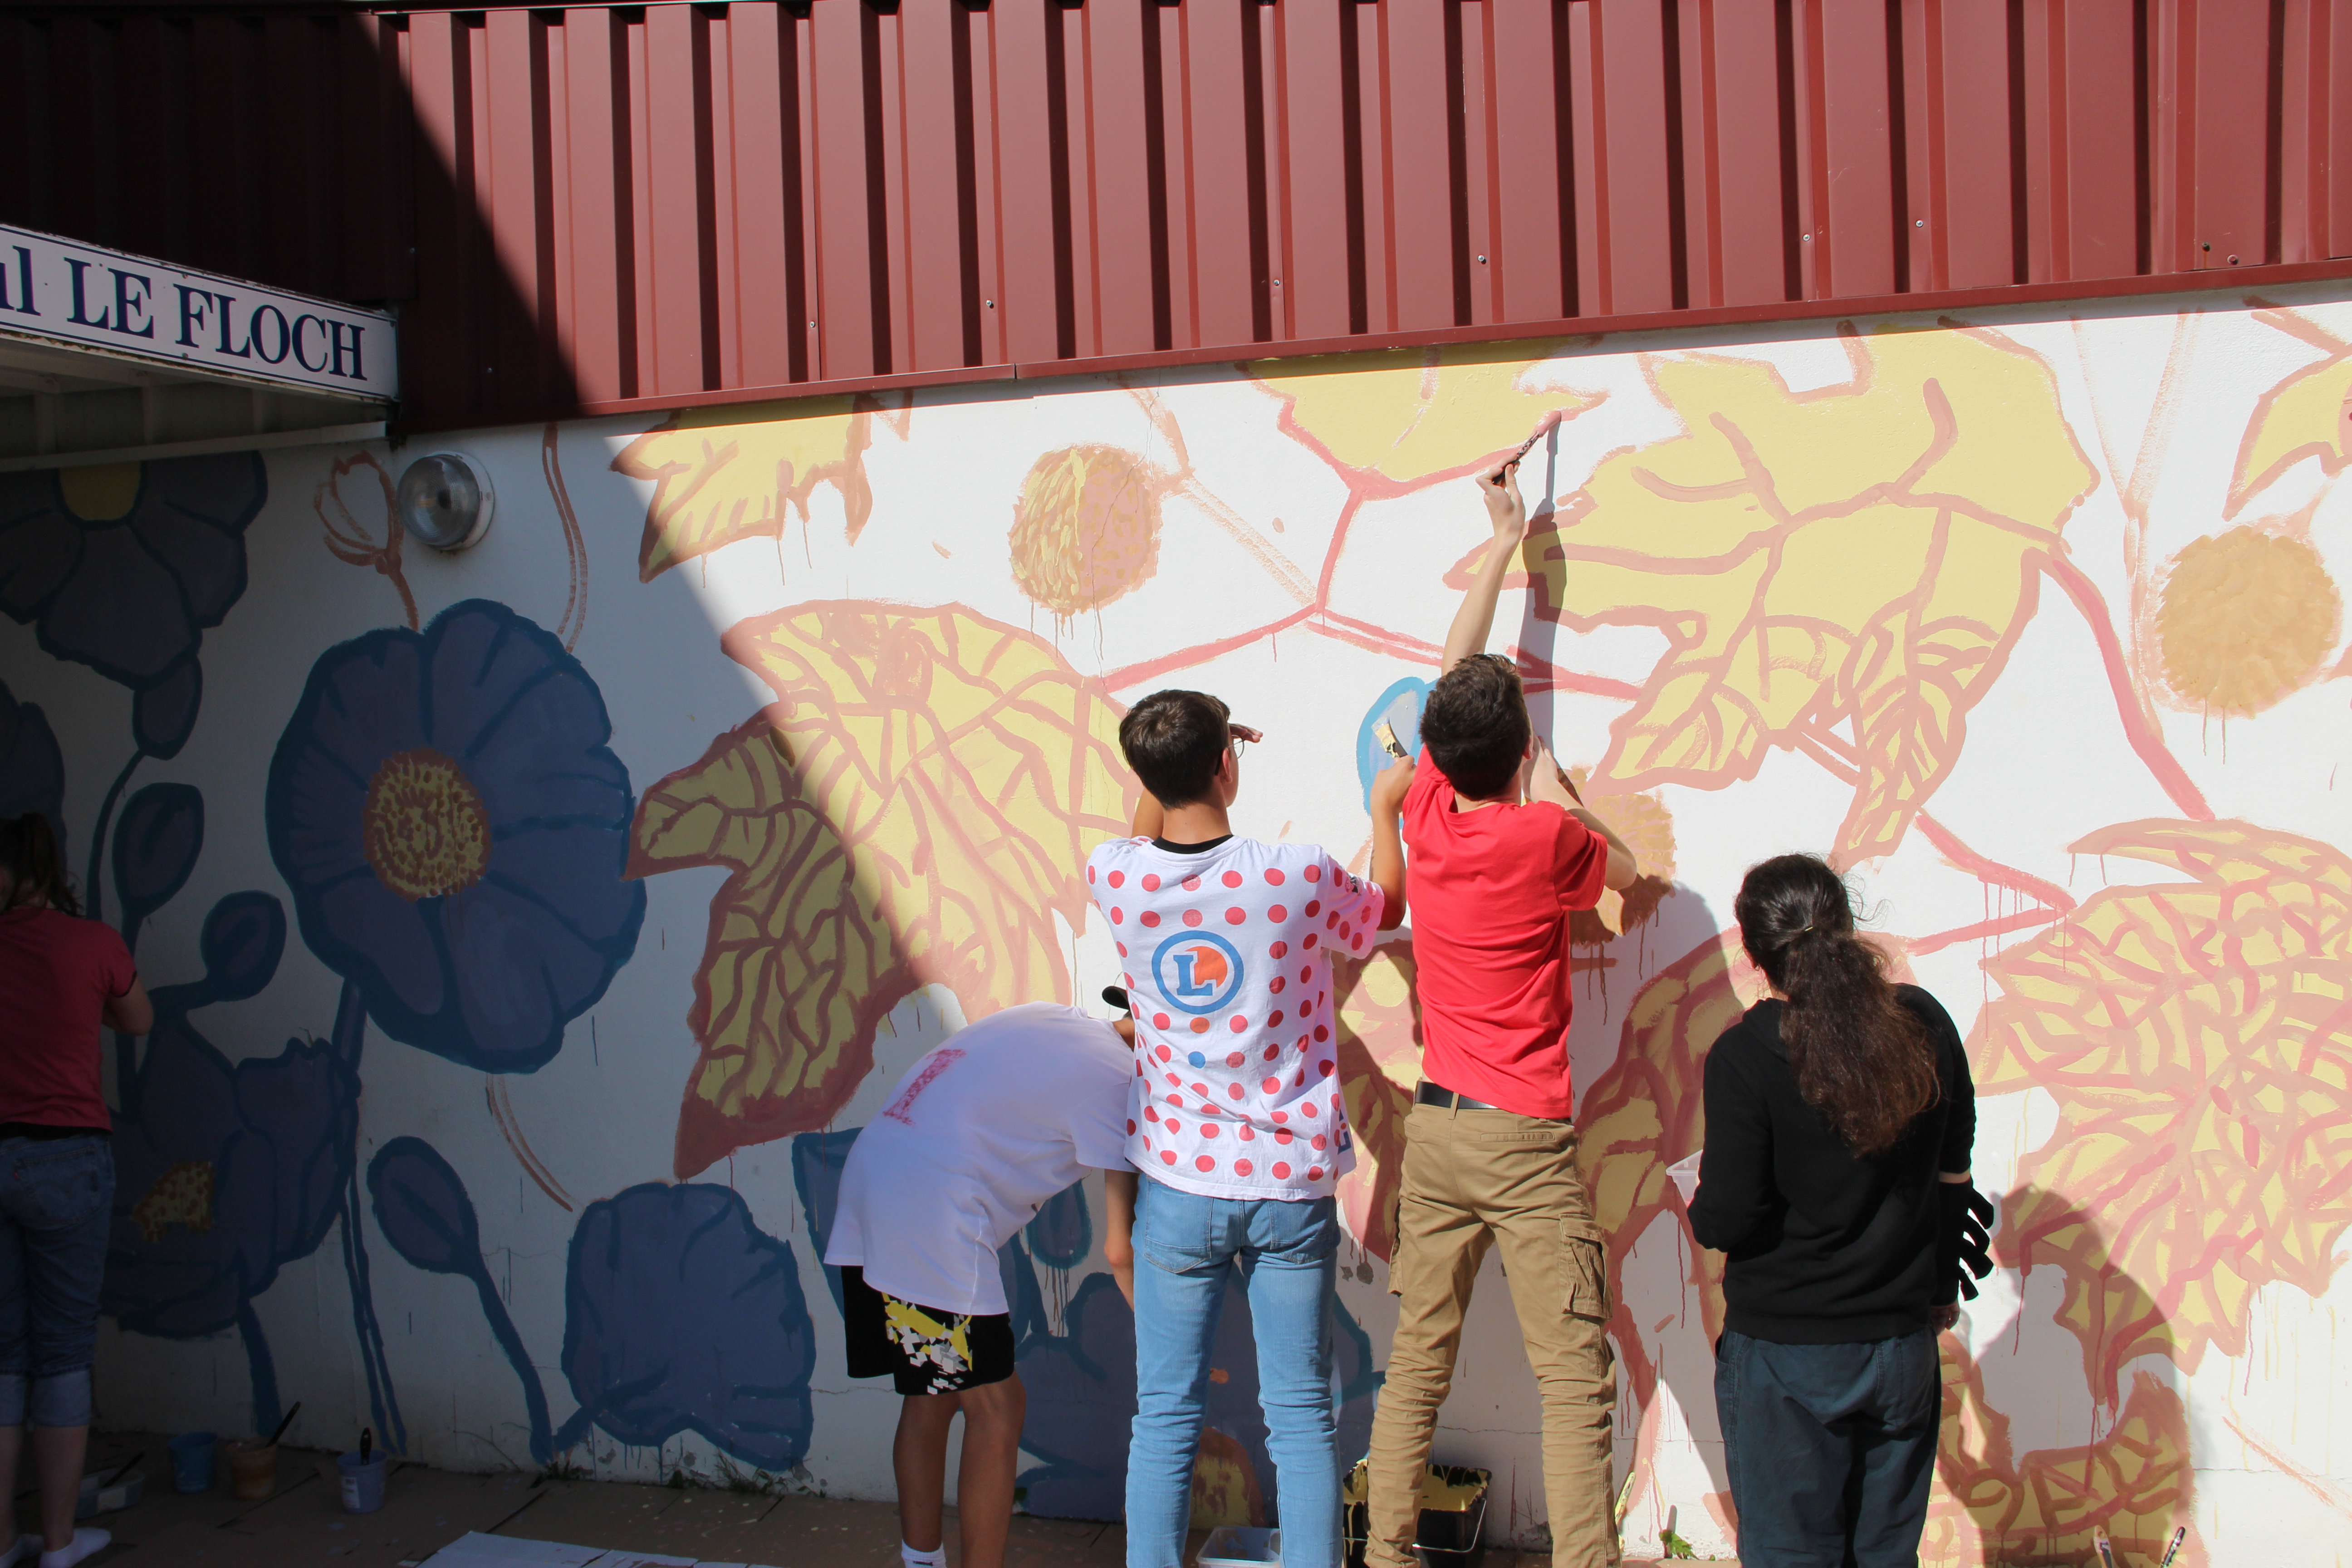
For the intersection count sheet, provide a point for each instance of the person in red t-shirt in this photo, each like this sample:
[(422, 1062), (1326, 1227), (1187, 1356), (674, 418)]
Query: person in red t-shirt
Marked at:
[(1500, 851), (62, 976)]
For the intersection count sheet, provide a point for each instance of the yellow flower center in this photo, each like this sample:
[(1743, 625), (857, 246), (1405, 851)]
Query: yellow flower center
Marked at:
[(424, 828), (100, 492)]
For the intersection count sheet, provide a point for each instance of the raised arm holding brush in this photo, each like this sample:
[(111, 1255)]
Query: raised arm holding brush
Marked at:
[(1490, 1149)]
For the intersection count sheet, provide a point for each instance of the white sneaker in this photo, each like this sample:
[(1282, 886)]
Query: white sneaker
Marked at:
[(85, 1542), (24, 1549)]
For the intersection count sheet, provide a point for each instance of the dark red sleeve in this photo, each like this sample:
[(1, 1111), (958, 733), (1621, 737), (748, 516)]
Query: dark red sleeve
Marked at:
[(1583, 858), (113, 966)]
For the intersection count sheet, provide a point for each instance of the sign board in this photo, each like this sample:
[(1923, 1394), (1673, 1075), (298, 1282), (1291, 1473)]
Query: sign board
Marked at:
[(64, 292)]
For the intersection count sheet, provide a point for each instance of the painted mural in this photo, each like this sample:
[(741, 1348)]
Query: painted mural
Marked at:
[(531, 931)]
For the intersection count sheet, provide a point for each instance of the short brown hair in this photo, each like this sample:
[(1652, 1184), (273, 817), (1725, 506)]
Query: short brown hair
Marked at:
[(1474, 724), (1173, 739), (35, 864)]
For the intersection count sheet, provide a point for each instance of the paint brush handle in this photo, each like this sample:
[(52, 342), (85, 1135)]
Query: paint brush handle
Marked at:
[(2179, 1535), (284, 1424), (367, 1441), (123, 1470)]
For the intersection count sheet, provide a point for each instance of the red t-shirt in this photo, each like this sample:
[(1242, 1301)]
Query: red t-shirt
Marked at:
[(57, 973), (1491, 893)]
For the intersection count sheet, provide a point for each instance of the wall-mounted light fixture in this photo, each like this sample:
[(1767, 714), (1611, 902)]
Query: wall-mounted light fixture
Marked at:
[(445, 500)]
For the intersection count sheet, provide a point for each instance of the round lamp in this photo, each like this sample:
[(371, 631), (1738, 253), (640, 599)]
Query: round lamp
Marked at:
[(444, 500)]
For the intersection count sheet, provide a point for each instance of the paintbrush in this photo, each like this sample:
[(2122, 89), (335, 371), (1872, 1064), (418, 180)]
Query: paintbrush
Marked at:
[(1544, 427), (2106, 1550), (1385, 733), (288, 1421), (2178, 1535)]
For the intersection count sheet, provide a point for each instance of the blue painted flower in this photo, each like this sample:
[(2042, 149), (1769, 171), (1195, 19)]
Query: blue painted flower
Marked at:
[(32, 769), (1400, 707), (124, 567), (680, 1313), (453, 825), (224, 1173)]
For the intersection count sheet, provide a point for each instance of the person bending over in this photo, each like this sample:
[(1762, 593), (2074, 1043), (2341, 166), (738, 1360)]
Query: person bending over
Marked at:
[(1239, 1126), (60, 977), (1839, 1117), (1490, 1151), (978, 1134)]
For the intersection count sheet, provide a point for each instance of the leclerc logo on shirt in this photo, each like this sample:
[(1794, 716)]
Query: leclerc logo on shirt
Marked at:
[(1197, 973)]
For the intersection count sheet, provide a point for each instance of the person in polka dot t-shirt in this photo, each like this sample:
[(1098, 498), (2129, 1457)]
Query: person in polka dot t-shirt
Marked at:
[(1228, 973), (1236, 1117)]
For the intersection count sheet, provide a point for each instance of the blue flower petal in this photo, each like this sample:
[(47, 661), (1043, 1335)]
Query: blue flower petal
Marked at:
[(32, 769), (192, 514), (364, 702), (401, 969), (575, 871), (40, 546), (518, 968), (486, 665), (120, 613)]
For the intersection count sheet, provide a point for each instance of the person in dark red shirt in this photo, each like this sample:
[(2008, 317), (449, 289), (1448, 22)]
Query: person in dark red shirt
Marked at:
[(62, 977), (1500, 851)]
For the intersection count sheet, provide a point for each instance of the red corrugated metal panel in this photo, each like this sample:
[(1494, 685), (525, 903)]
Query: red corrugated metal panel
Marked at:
[(608, 208)]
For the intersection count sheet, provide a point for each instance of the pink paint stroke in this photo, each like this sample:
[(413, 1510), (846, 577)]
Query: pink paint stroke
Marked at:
[(2138, 729)]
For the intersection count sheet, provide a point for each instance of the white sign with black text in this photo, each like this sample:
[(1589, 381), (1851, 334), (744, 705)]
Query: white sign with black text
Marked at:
[(66, 292)]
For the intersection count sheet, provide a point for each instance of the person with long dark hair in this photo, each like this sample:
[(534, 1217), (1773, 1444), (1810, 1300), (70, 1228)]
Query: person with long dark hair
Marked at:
[(1839, 1114), (61, 978)]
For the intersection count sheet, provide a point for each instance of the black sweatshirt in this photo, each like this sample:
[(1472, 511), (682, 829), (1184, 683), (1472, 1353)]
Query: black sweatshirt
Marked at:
[(1824, 1248)]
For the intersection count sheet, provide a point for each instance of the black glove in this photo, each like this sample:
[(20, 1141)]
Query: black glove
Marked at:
[(1964, 1244)]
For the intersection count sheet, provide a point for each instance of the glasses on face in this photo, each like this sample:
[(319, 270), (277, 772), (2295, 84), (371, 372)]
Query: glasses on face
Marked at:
[(1239, 745)]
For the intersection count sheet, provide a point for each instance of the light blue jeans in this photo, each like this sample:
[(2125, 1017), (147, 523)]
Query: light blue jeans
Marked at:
[(1186, 1248)]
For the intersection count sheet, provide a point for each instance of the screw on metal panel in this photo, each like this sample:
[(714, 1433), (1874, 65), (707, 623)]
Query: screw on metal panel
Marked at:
[(1918, 222), (1809, 239), (990, 303), (2233, 261)]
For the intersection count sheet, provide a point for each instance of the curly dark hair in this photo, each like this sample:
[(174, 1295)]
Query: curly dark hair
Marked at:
[(1474, 723), (1173, 741), (1862, 1058)]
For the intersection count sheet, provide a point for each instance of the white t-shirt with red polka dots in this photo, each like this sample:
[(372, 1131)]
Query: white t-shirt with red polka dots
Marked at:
[(1225, 956)]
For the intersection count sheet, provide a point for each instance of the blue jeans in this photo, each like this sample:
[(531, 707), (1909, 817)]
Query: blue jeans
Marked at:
[(1830, 1447), (1186, 1246), (56, 1203)]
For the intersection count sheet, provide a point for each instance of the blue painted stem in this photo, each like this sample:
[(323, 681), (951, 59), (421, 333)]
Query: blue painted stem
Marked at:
[(534, 1396), (126, 1048), (95, 891), (266, 1411), (350, 1033)]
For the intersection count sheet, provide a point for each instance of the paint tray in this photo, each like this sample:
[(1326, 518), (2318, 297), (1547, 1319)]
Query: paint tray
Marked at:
[(1453, 1515), (1241, 1546)]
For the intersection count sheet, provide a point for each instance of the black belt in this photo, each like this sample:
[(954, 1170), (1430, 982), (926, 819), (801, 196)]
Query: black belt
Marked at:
[(1447, 1100)]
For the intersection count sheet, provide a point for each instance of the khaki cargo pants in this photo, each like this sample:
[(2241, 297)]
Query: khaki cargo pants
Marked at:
[(1474, 1179)]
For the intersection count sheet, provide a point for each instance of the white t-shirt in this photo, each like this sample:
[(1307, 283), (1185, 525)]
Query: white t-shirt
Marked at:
[(975, 1138), (1227, 970)]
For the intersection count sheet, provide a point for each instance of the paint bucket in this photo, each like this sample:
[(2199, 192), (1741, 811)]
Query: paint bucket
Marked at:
[(253, 1468), (362, 1482), (192, 1462)]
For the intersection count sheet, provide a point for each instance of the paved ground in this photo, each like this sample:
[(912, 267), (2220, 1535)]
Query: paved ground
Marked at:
[(425, 1510)]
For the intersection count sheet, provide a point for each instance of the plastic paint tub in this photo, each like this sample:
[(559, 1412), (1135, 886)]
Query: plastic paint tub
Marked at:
[(253, 1468), (192, 1461), (362, 1482), (1241, 1546)]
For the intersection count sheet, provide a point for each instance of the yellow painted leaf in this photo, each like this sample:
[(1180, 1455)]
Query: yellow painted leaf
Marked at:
[(2303, 415), (1380, 1064), (2198, 1037), (1416, 415), (1862, 553), (724, 474), (798, 967), (2133, 1485), (936, 780)]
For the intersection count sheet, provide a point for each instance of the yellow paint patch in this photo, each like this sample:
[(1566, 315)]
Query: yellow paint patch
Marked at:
[(101, 492)]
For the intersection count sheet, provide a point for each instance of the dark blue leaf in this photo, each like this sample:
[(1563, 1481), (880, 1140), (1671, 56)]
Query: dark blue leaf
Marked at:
[(156, 841), (244, 938), (423, 1208)]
